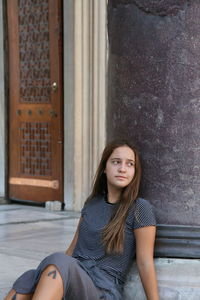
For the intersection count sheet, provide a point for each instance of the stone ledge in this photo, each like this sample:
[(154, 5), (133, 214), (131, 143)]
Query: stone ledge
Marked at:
[(178, 279), (180, 241)]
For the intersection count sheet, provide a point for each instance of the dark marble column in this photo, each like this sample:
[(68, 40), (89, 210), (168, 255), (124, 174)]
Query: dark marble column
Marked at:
[(154, 99)]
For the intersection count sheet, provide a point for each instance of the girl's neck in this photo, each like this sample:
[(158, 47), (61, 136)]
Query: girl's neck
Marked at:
[(113, 195)]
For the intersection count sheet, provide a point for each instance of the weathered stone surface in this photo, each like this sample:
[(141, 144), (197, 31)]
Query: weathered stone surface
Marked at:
[(178, 279), (153, 100), (156, 7)]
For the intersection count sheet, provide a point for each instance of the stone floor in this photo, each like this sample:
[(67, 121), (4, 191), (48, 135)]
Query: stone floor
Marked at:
[(27, 235)]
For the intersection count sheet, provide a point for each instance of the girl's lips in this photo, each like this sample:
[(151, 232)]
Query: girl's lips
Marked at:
[(120, 177)]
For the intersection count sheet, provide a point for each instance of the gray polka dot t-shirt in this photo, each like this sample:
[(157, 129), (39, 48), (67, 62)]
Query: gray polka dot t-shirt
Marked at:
[(96, 214)]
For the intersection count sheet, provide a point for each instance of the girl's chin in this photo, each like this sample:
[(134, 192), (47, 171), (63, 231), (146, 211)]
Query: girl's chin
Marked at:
[(120, 185)]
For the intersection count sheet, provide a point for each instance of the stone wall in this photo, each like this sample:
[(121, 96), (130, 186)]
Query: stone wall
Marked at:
[(153, 99)]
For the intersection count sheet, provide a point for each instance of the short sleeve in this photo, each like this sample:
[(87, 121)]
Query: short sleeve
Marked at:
[(143, 214)]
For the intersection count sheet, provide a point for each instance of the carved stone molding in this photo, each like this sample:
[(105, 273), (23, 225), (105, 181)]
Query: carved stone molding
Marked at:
[(178, 241)]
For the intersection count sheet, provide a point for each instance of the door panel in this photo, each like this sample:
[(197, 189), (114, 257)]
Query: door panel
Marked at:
[(35, 100)]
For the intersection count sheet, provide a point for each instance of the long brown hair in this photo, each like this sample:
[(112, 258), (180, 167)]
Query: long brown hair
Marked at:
[(113, 233)]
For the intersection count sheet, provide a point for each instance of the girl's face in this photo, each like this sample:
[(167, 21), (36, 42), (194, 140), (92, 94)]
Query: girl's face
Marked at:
[(120, 167)]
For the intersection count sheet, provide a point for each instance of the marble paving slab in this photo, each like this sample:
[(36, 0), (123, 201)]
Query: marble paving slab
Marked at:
[(27, 235)]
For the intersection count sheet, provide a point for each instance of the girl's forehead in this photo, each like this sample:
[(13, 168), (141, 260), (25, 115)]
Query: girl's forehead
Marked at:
[(123, 152)]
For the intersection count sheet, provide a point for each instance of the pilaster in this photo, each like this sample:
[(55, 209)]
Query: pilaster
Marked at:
[(86, 116)]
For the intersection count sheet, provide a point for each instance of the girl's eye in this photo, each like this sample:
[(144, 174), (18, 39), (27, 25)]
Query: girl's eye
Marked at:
[(116, 162), (130, 164)]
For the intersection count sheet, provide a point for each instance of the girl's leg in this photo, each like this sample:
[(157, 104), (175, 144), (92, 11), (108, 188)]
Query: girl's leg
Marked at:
[(50, 285), (12, 295)]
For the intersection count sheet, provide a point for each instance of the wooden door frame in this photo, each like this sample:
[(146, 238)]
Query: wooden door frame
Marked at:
[(3, 105), (58, 76), (85, 69)]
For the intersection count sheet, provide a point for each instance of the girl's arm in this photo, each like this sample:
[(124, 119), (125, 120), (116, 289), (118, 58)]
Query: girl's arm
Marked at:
[(70, 249), (145, 238)]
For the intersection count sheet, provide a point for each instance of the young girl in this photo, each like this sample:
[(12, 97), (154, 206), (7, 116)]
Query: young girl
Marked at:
[(114, 226)]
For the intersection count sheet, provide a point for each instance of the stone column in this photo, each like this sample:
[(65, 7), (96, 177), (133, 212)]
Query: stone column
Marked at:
[(154, 99)]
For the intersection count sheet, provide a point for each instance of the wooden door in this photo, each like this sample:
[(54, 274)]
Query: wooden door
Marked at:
[(35, 100)]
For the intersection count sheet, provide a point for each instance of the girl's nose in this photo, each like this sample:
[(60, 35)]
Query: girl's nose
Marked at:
[(122, 168)]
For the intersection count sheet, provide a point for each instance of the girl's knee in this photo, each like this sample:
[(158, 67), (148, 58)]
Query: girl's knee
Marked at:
[(59, 259), (50, 284), (51, 271), (55, 257)]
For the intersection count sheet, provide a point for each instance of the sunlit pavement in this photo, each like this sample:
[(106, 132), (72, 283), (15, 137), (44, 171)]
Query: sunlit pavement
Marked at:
[(27, 235)]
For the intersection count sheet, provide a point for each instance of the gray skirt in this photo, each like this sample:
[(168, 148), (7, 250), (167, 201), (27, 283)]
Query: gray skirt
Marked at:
[(76, 281)]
